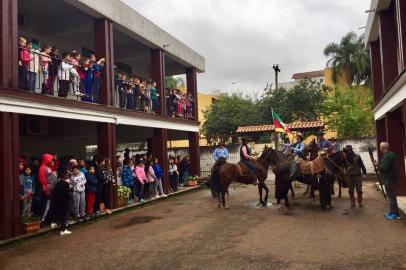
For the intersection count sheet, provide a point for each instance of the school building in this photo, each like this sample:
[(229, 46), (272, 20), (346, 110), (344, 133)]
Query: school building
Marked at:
[(33, 123), (385, 37)]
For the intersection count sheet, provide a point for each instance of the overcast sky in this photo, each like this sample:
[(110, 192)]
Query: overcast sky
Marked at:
[(241, 39)]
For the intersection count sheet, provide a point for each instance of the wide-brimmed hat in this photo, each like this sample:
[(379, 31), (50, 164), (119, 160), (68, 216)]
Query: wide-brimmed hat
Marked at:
[(299, 134), (320, 133), (348, 147)]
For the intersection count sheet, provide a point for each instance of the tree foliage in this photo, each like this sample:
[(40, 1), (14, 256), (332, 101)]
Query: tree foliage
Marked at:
[(301, 103), (225, 115), (349, 56), (173, 82), (348, 112)]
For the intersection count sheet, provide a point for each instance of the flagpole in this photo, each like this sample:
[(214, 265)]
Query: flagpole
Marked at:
[(276, 133)]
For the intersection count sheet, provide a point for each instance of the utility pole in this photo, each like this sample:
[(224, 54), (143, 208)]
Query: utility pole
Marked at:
[(277, 70)]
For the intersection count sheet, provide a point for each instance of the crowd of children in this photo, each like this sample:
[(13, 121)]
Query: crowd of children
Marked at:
[(57, 189), (179, 105), (71, 72)]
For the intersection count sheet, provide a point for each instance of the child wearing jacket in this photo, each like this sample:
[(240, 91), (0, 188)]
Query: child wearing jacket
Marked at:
[(64, 72), (159, 174), (47, 181), (141, 178), (90, 190), (78, 181), (151, 178), (128, 179), (27, 189)]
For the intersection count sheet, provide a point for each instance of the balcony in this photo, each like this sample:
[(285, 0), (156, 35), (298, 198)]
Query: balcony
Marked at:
[(65, 56)]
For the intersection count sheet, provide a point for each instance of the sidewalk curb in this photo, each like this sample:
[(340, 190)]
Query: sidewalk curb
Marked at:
[(19, 239)]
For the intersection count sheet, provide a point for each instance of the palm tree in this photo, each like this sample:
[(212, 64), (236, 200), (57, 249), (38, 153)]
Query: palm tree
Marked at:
[(350, 57)]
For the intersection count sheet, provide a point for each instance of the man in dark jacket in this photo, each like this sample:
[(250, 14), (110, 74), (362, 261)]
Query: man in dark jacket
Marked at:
[(387, 168), (355, 166)]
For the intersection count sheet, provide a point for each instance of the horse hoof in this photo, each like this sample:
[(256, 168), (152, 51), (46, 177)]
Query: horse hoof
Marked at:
[(227, 207)]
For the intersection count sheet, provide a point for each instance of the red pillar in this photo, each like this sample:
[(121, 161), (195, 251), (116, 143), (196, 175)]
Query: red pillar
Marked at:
[(103, 40), (160, 150), (194, 153), (191, 82), (380, 126), (8, 44), (396, 141), (158, 76), (388, 39), (401, 18), (9, 181), (106, 148), (375, 52)]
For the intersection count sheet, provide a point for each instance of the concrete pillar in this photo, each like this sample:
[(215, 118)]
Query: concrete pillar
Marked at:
[(388, 37), (106, 148), (158, 75), (194, 153), (375, 52), (8, 44), (9, 181), (160, 150), (104, 48), (191, 83), (395, 139)]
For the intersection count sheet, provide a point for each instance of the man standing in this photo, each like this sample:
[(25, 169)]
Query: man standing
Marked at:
[(387, 168), (355, 166), (246, 158)]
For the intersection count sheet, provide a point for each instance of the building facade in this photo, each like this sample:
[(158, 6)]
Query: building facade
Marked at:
[(386, 40), (32, 123)]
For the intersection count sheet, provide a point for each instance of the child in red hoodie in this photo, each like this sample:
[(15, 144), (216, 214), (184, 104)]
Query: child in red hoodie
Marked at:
[(47, 179)]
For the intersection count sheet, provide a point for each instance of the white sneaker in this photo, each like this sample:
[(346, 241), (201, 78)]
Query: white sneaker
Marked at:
[(53, 225), (142, 200), (164, 195), (65, 232)]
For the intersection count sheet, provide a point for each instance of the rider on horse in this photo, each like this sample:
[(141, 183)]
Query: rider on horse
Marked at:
[(246, 158), (298, 150), (220, 155)]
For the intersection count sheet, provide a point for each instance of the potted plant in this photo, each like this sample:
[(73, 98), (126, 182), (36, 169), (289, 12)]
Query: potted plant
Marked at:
[(193, 181), (31, 224), (123, 193)]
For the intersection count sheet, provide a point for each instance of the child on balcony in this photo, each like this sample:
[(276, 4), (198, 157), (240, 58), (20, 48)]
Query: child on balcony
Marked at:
[(144, 100), (148, 96), (154, 98), (137, 93), (87, 74), (24, 59), (45, 60), (27, 189), (179, 107), (97, 67), (189, 106), (53, 70), (120, 89), (34, 65), (75, 77), (130, 94), (64, 74)]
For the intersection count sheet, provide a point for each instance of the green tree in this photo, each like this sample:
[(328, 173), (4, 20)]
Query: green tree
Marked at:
[(225, 115), (172, 82), (348, 112), (349, 56), (301, 103)]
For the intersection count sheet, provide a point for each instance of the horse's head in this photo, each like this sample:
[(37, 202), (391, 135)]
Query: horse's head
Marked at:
[(313, 148), (270, 156)]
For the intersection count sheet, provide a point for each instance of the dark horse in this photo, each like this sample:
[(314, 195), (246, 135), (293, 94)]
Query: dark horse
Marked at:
[(281, 168), (236, 172)]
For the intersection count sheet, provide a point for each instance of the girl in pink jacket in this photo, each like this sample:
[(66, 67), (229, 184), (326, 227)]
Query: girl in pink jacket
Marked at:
[(141, 178)]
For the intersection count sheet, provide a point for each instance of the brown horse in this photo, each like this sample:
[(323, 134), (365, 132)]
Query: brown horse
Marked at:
[(240, 173)]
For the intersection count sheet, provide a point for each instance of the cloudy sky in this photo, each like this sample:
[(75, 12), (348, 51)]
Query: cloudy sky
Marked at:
[(241, 40)]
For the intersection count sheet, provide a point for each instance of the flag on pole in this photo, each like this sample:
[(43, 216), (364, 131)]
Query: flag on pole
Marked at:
[(279, 125)]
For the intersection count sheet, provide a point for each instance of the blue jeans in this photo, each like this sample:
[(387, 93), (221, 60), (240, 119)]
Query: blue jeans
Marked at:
[(250, 165), (390, 188), (96, 85), (185, 176), (32, 79)]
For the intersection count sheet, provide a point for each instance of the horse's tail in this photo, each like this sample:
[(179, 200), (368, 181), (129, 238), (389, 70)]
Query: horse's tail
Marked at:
[(215, 183)]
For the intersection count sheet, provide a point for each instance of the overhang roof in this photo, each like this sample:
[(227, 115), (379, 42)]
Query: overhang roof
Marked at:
[(372, 27), (310, 74), (292, 126)]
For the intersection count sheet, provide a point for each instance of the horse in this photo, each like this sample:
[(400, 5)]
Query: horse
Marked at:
[(281, 168), (229, 172)]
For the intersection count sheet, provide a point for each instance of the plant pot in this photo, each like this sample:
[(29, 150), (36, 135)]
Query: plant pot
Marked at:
[(31, 227), (192, 183), (121, 202)]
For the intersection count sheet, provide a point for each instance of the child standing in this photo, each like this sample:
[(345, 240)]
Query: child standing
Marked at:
[(141, 178), (173, 175), (120, 84), (109, 181), (78, 181), (24, 59), (159, 174), (154, 98), (82, 166), (91, 189), (97, 68), (76, 58), (137, 93), (60, 203), (151, 177), (45, 60), (130, 95), (53, 70), (87, 74), (27, 189), (128, 179), (148, 97), (64, 74), (34, 65)]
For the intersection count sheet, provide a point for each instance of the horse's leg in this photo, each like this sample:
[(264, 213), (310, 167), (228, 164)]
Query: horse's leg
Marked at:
[(266, 193), (223, 197), (287, 203), (260, 192), (219, 200), (339, 188), (332, 185)]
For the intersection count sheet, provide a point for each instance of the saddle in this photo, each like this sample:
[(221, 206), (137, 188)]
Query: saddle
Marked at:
[(243, 170), (311, 167)]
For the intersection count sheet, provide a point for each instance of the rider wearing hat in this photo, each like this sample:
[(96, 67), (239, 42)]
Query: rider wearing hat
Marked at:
[(355, 166), (246, 158), (220, 155), (324, 144), (298, 150)]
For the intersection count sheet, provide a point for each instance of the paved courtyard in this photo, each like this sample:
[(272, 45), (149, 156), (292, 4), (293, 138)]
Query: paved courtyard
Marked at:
[(190, 232)]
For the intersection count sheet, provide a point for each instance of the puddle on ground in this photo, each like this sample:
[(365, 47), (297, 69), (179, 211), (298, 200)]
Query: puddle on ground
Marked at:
[(135, 221)]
